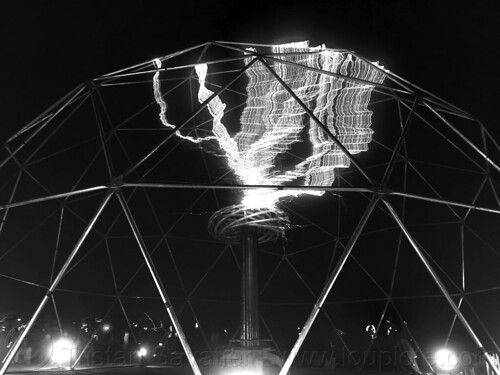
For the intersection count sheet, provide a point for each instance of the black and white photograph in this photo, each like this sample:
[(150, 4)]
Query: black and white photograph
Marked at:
[(250, 187)]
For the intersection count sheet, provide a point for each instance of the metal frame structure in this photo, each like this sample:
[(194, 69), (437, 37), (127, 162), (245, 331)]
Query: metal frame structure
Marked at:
[(386, 184)]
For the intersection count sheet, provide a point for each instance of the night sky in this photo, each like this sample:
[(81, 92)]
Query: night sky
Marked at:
[(450, 48)]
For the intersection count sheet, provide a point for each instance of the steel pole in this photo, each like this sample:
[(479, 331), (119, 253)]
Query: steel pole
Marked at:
[(326, 290), (149, 62), (72, 95), (158, 283), (443, 201), (52, 197), (399, 144), (464, 138), (215, 186), (249, 291), (46, 120), (442, 287), (54, 284), (336, 75)]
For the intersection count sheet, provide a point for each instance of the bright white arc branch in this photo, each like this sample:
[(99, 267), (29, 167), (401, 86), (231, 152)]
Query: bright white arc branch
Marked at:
[(272, 121)]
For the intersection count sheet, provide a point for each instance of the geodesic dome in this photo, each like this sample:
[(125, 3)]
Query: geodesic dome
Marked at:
[(389, 197)]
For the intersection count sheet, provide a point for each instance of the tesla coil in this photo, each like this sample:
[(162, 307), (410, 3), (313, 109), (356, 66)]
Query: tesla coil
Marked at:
[(247, 228), (274, 120)]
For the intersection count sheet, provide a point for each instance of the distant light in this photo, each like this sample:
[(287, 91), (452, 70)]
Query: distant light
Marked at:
[(142, 352), (245, 372), (196, 325), (106, 327), (446, 359), (62, 351), (160, 344), (19, 319), (372, 331)]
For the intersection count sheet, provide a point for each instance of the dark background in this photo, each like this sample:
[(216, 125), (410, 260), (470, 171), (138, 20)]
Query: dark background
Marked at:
[(451, 48)]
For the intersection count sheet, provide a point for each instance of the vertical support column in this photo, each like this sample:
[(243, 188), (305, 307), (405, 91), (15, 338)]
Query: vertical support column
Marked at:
[(329, 284), (249, 291), (441, 286), (54, 284), (158, 283)]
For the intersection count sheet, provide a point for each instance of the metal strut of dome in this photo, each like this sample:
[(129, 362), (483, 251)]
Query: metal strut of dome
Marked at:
[(304, 127)]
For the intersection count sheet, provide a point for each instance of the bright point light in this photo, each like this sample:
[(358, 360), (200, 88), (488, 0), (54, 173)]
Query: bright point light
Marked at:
[(106, 327), (446, 359), (63, 350), (142, 352), (245, 372), (273, 121)]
